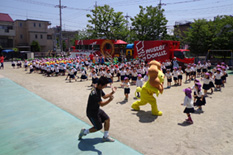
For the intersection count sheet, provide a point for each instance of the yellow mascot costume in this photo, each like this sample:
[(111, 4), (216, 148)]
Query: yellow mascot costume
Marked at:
[(153, 85)]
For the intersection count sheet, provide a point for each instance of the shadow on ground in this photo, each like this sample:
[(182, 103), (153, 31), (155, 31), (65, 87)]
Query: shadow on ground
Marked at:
[(184, 124), (89, 145), (145, 116)]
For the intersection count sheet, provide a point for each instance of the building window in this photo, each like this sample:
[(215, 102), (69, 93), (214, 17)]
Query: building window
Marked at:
[(34, 24), (49, 37), (41, 36), (36, 36), (39, 24), (20, 24), (21, 36)]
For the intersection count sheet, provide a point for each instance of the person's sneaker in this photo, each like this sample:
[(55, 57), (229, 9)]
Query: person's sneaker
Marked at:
[(81, 134), (108, 139), (190, 121)]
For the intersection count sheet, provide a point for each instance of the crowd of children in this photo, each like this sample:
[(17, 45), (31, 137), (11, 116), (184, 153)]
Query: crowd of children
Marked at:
[(128, 73), (135, 73), (212, 79)]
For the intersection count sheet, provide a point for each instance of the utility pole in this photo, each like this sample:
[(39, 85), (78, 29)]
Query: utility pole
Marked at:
[(95, 17), (160, 5), (60, 13), (127, 16)]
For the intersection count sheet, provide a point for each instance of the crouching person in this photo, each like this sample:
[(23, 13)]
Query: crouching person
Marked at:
[(96, 115)]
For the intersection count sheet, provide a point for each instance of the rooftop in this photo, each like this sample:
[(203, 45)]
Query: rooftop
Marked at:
[(5, 17)]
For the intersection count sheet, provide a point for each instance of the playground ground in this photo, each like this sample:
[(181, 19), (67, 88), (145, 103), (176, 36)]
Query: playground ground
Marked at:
[(63, 115)]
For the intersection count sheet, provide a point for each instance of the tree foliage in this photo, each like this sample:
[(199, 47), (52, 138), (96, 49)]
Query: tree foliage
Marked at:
[(204, 35), (150, 23), (105, 23), (35, 47)]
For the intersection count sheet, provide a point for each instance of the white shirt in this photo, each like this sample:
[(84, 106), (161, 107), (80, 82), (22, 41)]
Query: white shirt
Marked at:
[(93, 75), (134, 74), (108, 75), (175, 73), (206, 81), (193, 69), (126, 85), (122, 72), (188, 102), (199, 66), (57, 69), (145, 78), (198, 94), (139, 83), (83, 72), (180, 72), (187, 70), (205, 66), (218, 76), (168, 75), (127, 72)]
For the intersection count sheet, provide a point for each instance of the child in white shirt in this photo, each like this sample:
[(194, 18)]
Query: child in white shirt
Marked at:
[(188, 102)]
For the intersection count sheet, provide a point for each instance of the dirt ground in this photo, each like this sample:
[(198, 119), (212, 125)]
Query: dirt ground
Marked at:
[(211, 132)]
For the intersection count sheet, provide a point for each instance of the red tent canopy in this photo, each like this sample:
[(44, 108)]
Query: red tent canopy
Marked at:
[(118, 42)]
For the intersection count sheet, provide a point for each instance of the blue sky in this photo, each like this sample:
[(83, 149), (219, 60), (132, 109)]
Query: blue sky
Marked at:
[(74, 16)]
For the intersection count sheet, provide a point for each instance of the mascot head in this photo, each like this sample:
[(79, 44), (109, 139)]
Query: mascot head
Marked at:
[(156, 75)]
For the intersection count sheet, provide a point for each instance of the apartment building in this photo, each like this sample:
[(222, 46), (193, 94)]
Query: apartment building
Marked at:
[(31, 30), (7, 32)]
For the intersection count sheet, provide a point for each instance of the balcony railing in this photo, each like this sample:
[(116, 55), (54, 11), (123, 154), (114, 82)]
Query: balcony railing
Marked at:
[(9, 33)]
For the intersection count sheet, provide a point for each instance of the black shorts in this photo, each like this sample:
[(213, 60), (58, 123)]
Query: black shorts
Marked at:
[(199, 102), (211, 84), (99, 119), (134, 78), (169, 80), (83, 77), (164, 71), (199, 70), (223, 78), (204, 70), (180, 77), (187, 74), (126, 90), (175, 78), (95, 80), (109, 80), (206, 86), (189, 110), (122, 77), (218, 82)]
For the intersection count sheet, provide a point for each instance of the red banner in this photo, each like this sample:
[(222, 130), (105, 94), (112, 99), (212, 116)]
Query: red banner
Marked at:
[(151, 50)]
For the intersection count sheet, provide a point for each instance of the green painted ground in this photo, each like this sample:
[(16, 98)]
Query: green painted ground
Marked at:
[(32, 125), (230, 72)]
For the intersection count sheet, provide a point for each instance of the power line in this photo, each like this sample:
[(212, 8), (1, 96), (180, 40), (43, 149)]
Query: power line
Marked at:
[(49, 4)]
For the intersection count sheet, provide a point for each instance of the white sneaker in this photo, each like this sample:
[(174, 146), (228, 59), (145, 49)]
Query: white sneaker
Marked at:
[(81, 134), (108, 139)]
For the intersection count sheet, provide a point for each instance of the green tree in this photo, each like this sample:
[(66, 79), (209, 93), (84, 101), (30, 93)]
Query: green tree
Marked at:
[(35, 47), (105, 23), (199, 37), (204, 35), (222, 33), (150, 23)]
